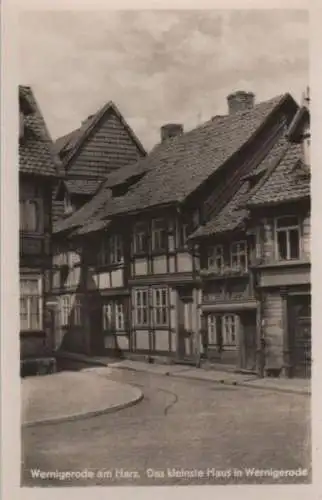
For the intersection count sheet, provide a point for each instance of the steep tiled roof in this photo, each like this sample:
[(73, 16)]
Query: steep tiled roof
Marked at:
[(91, 227), (35, 155), (273, 157), (82, 186), (234, 214), (103, 142), (230, 217), (101, 145), (285, 183), (296, 127), (178, 166)]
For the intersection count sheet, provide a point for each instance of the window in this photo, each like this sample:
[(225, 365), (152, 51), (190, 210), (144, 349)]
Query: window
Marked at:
[(141, 307), (115, 249), (182, 235), (160, 306), (238, 256), (113, 316), (140, 239), (29, 215), (159, 235), (111, 251), (216, 258), (229, 330), (119, 316), (287, 238), (30, 303), (107, 316), (212, 329), (65, 310), (68, 208)]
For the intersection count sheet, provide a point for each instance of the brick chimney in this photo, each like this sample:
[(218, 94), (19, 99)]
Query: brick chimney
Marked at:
[(240, 101), (171, 130)]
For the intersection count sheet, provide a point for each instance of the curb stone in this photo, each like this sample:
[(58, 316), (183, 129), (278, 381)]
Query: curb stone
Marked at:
[(249, 384), (82, 416)]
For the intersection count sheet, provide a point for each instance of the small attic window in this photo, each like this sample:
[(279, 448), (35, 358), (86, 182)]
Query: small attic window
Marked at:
[(68, 207)]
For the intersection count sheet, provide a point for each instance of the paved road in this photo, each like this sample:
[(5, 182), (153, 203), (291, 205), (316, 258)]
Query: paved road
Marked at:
[(181, 427)]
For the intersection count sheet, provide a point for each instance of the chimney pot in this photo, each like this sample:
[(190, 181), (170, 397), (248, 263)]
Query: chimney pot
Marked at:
[(240, 101), (170, 130)]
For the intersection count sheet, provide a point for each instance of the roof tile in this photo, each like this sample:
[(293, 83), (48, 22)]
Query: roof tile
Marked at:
[(35, 153)]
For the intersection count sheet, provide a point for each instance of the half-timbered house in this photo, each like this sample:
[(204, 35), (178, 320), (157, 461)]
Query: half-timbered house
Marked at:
[(280, 209), (104, 143), (37, 174), (141, 290)]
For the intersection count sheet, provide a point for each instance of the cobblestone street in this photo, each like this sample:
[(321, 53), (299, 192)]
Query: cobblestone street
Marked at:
[(180, 424)]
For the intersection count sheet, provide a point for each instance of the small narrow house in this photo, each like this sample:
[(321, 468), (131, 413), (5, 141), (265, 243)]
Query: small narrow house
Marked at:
[(37, 175)]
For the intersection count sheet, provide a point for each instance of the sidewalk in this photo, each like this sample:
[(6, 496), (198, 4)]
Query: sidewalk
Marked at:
[(73, 395), (296, 385)]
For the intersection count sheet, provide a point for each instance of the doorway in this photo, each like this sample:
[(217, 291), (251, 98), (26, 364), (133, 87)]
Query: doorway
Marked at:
[(299, 318)]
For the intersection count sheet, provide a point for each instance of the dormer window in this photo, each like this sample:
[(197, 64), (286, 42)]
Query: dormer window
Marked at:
[(68, 207)]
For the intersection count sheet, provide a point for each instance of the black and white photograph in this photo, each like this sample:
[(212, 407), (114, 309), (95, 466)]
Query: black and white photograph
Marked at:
[(164, 247)]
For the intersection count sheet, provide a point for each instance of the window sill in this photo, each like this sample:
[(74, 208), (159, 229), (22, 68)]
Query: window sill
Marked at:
[(33, 333), (284, 263), (31, 234), (107, 267)]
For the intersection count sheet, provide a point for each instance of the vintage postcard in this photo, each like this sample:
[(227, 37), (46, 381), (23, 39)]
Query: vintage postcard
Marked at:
[(164, 188)]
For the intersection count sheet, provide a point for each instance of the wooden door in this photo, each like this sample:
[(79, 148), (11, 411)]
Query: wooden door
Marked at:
[(185, 326), (96, 328), (300, 335)]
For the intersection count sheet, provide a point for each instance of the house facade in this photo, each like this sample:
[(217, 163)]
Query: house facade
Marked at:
[(165, 256), (37, 175), (97, 149)]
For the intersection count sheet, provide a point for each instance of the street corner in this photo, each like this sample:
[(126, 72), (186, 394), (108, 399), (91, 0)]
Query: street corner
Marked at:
[(69, 396)]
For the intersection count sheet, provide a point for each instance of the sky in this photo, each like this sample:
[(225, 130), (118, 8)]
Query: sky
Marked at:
[(159, 66)]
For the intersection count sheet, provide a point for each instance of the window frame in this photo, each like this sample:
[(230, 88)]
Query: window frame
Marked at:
[(160, 307), (65, 310), (239, 254), (141, 309), (140, 230), (212, 333), (286, 229), (157, 234), (119, 316), (182, 235), (24, 217), (230, 320), (28, 297), (214, 257), (68, 207), (111, 251), (115, 247)]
